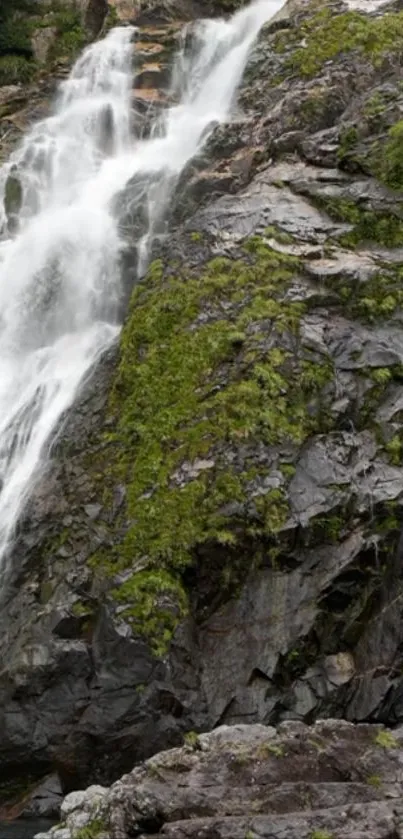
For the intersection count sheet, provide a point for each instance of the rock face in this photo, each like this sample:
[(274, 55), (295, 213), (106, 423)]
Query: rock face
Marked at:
[(329, 781), (216, 539)]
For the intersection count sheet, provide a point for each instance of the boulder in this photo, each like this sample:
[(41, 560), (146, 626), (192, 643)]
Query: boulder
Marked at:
[(328, 781)]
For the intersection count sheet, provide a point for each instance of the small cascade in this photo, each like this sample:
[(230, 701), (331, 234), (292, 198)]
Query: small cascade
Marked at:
[(60, 278)]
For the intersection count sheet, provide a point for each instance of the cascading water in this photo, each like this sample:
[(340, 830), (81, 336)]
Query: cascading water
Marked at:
[(59, 258)]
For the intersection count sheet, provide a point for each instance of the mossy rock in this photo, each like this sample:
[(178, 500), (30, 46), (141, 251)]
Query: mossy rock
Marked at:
[(325, 35), (207, 368)]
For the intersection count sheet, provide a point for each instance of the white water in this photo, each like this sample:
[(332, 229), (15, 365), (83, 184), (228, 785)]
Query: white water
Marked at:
[(59, 272)]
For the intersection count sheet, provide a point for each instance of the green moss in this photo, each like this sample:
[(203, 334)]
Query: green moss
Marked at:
[(374, 781), (386, 740), (391, 158), (326, 528), (15, 69), (384, 228), (374, 106), (156, 602), (81, 610), (91, 831), (394, 450), (321, 834), (271, 749), (347, 143), (112, 19), (188, 388), (377, 299), (280, 236), (380, 375), (191, 739), (326, 35), (71, 36), (15, 27)]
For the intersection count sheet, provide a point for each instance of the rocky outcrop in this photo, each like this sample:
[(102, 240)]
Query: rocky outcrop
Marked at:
[(330, 781), (217, 537)]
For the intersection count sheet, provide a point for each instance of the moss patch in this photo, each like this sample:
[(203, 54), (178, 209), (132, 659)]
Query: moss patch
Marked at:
[(368, 226), (209, 363), (386, 740), (326, 35), (91, 831), (389, 165), (71, 36)]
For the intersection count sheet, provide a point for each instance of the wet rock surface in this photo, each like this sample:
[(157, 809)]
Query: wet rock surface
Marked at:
[(282, 601)]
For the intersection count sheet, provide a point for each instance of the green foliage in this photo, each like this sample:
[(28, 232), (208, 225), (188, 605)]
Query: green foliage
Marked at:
[(394, 450), (276, 751), (196, 377), (381, 375), (15, 27), (321, 834), (81, 610), (280, 236), (191, 739), (326, 35), (375, 106), (381, 296), (391, 162), (71, 36), (386, 740), (326, 529), (374, 781), (15, 69), (267, 750), (384, 228), (91, 831), (112, 19), (156, 601), (347, 142)]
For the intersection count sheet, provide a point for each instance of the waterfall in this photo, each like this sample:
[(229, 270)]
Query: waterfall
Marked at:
[(60, 247)]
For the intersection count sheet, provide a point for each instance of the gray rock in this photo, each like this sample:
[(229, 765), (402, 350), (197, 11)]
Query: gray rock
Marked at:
[(331, 779)]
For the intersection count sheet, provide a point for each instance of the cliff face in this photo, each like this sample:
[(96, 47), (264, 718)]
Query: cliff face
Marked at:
[(216, 538)]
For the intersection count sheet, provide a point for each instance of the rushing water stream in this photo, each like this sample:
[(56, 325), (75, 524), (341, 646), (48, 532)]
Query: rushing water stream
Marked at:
[(59, 262)]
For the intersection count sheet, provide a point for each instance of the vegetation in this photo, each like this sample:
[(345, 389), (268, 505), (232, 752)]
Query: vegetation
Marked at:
[(326, 35), (15, 69), (19, 20), (374, 781), (71, 36), (386, 740), (191, 739), (390, 168), (14, 30), (380, 227), (205, 364), (16, 60), (92, 830)]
